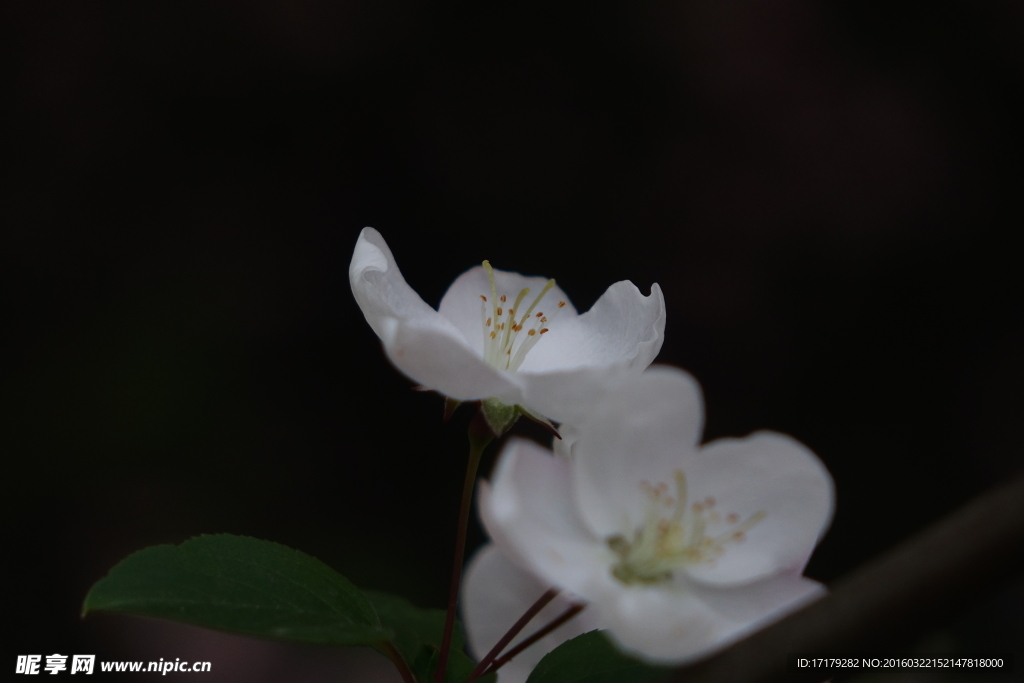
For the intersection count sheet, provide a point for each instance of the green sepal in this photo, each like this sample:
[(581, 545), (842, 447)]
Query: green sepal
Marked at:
[(240, 585), (500, 416), (539, 419), (592, 658)]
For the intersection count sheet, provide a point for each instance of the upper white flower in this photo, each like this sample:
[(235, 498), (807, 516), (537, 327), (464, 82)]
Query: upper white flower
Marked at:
[(681, 549), (506, 336)]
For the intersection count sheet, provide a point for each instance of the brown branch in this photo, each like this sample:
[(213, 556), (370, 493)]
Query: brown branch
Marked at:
[(892, 600)]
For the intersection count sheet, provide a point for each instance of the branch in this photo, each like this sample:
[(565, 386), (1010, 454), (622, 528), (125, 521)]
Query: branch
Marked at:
[(891, 601)]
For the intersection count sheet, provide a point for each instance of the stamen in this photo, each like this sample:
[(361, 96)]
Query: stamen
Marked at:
[(531, 340), (662, 545), (501, 348), (681, 492), (509, 340), (750, 523), (489, 348), (545, 290), (487, 324)]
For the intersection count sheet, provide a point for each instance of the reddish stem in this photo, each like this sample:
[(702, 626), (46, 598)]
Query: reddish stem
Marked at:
[(530, 640), (536, 607), (480, 435), (399, 661)]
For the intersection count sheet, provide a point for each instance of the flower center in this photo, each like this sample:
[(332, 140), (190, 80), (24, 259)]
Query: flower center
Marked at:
[(663, 543), (506, 340)]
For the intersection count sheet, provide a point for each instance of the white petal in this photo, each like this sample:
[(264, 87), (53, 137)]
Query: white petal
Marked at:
[(381, 291), (684, 624), (528, 512), (623, 327), (642, 431), (461, 304), (563, 447), (496, 592), (766, 472), (421, 342), (757, 604), (663, 626), (442, 361), (569, 395)]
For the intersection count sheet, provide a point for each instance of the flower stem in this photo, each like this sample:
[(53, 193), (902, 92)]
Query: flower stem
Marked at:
[(536, 607), (400, 664), (480, 435), (530, 640)]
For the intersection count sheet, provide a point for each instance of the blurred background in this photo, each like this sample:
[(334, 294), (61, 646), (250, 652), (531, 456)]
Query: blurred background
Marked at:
[(826, 192)]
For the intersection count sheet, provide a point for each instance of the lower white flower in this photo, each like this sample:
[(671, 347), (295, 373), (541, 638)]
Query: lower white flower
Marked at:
[(506, 336), (680, 549), (495, 593)]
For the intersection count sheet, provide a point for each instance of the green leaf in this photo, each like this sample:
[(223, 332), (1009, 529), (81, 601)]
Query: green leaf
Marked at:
[(418, 633), (242, 585), (413, 627), (592, 658)]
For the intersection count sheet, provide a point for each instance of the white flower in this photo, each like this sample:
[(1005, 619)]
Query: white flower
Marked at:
[(506, 336), (495, 593), (680, 549)]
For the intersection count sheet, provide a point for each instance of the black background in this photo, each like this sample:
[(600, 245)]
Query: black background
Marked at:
[(827, 193)]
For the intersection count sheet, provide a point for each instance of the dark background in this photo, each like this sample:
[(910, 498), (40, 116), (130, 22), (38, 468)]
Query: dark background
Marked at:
[(826, 192)]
